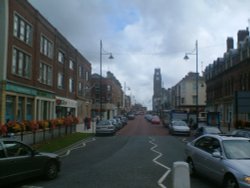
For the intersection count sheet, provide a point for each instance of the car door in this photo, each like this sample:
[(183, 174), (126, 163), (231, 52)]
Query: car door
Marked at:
[(22, 163), (201, 154), (5, 165), (215, 168)]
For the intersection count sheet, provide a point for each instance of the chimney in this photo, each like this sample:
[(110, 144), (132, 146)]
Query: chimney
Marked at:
[(230, 43), (242, 34)]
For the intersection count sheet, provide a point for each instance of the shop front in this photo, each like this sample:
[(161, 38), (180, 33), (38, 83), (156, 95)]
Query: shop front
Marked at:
[(65, 107), (24, 103)]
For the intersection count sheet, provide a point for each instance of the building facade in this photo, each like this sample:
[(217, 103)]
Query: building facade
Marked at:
[(42, 75), (226, 77), (185, 93), (107, 96)]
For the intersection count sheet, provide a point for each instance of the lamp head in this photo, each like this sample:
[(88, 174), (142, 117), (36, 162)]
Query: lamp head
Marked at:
[(111, 56), (186, 57)]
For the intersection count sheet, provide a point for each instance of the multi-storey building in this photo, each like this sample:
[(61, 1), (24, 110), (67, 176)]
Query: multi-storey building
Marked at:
[(226, 77), (42, 75), (107, 99), (185, 93)]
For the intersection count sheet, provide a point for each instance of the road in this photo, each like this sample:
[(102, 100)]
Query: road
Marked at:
[(123, 160)]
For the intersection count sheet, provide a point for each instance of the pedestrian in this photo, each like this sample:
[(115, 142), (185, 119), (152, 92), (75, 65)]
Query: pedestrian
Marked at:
[(86, 121), (89, 122)]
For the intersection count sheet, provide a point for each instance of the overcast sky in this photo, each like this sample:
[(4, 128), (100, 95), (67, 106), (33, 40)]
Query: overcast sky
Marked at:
[(147, 34)]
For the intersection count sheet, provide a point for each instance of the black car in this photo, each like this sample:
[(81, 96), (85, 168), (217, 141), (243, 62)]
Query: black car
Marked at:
[(18, 161)]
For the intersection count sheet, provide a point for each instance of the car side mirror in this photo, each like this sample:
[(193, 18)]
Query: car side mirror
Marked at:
[(217, 154), (34, 152)]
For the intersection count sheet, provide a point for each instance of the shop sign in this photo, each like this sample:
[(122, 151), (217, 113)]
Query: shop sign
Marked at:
[(61, 102), (20, 89)]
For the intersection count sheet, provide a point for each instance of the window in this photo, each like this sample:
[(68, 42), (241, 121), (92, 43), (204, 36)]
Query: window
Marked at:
[(87, 76), (46, 47), (21, 63), (182, 100), (80, 88), (15, 149), (208, 144), (60, 57), (71, 85), (194, 98), (45, 75), (60, 80), (22, 29), (71, 64), (108, 87), (81, 69), (194, 86), (29, 109)]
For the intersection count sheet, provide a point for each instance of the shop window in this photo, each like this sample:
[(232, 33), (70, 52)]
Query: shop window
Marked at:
[(29, 109), (10, 108), (20, 110)]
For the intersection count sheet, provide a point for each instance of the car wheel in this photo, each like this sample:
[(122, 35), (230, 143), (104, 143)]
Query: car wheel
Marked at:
[(51, 170), (230, 182), (192, 171)]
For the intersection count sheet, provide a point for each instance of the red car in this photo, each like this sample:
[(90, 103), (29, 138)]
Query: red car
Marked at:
[(155, 120)]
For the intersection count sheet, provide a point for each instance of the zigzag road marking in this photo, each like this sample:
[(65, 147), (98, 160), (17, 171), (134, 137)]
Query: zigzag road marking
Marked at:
[(81, 145), (168, 170)]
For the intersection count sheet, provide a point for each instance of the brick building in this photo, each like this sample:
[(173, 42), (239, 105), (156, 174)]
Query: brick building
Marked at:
[(42, 75), (227, 76), (108, 98)]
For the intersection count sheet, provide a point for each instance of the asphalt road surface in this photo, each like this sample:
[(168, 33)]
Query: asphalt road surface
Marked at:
[(140, 155)]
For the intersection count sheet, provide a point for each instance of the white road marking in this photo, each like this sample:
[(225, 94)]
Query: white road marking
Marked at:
[(168, 170), (82, 145)]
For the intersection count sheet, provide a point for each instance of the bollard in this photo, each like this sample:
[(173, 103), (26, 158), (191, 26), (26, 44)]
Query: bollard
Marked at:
[(181, 177)]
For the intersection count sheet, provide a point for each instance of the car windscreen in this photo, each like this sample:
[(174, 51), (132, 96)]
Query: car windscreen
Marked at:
[(179, 123), (212, 130), (237, 149)]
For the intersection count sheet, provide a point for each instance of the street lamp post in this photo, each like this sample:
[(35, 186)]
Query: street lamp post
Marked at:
[(110, 57), (197, 77)]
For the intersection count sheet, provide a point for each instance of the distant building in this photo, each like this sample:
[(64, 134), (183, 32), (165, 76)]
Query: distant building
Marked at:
[(184, 93), (107, 99), (157, 86)]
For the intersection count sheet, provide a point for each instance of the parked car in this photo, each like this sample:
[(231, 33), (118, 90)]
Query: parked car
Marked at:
[(202, 130), (116, 123), (105, 127), (155, 120), (241, 133), (18, 161), (223, 159), (148, 117), (124, 120), (179, 127), (131, 116)]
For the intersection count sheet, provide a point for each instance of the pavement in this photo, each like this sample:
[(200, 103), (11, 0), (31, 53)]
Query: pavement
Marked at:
[(82, 129)]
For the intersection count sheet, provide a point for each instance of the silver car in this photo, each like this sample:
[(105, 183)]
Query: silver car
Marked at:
[(105, 127), (224, 159), (179, 127)]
